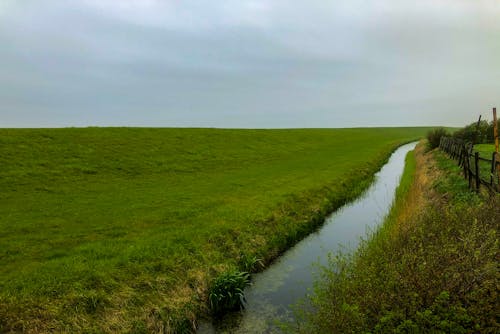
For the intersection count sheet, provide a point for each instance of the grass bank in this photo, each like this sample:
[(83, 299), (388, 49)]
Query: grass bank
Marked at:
[(432, 267), (123, 229)]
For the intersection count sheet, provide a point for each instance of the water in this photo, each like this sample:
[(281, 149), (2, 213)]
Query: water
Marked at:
[(288, 279)]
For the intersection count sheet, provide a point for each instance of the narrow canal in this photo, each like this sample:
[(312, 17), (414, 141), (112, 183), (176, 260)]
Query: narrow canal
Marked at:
[(290, 277)]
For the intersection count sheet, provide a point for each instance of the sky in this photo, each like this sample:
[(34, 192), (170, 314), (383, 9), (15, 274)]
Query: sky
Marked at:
[(248, 63)]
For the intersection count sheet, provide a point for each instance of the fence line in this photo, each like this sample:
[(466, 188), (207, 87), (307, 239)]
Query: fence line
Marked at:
[(464, 152)]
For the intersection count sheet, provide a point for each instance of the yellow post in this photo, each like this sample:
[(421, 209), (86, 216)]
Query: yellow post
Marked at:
[(495, 134), (495, 128)]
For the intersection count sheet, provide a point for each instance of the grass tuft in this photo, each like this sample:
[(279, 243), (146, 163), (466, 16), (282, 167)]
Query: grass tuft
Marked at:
[(227, 292)]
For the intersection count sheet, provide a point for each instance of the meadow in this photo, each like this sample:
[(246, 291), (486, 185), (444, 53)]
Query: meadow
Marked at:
[(485, 150), (123, 229)]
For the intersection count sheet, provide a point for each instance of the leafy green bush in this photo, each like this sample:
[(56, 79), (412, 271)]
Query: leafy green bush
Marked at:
[(434, 137), (477, 134), (226, 293)]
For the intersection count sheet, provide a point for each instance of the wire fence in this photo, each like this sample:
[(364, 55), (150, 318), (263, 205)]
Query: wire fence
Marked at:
[(478, 170)]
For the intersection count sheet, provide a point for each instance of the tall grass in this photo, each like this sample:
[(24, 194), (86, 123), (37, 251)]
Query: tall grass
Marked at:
[(227, 292)]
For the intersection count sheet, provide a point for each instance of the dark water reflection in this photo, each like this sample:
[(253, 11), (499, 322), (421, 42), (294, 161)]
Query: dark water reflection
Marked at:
[(288, 279)]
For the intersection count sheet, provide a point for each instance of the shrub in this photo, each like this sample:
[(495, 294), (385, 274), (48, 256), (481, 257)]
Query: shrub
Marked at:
[(226, 293), (434, 137), (490, 138), (477, 134)]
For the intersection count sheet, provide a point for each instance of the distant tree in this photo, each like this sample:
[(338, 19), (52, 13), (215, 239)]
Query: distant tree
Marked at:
[(474, 133), (490, 134)]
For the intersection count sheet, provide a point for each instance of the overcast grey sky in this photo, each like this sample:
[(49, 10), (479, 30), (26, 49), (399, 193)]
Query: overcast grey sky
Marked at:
[(269, 63)]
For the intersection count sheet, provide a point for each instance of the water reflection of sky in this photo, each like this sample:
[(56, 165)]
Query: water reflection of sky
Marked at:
[(290, 277)]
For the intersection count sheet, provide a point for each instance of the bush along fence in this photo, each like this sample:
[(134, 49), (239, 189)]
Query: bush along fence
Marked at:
[(477, 170)]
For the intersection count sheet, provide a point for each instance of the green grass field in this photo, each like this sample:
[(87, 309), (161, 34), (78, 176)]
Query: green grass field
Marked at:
[(485, 149), (122, 229)]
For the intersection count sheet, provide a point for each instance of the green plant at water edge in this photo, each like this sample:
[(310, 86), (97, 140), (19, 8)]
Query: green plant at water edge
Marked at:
[(250, 263), (226, 293)]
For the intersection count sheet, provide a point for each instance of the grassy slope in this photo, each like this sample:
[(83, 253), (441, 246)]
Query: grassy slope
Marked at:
[(113, 229), (432, 267)]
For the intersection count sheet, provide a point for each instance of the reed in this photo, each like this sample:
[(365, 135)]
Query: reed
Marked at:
[(227, 292)]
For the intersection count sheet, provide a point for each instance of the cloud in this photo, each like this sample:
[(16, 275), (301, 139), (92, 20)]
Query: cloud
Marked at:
[(247, 63)]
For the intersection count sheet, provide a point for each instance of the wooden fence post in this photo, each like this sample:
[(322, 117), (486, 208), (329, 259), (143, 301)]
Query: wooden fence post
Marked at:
[(460, 154), (462, 158), (493, 168), (495, 135), (477, 130), (497, 163), (470, 173), (476, 162), (495, 128), (465, 159)]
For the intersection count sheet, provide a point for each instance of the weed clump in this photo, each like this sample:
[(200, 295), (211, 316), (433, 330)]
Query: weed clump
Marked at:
[(227, 292), (250, 263)]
